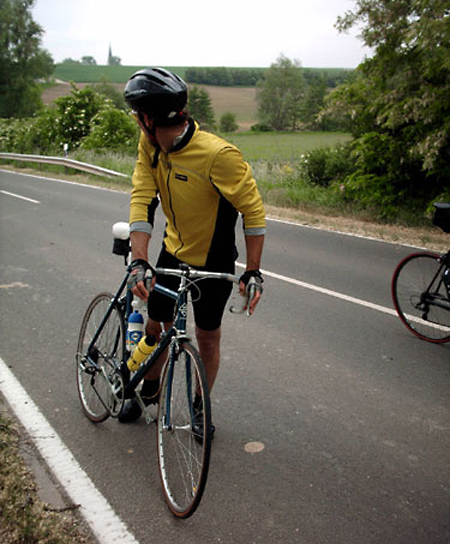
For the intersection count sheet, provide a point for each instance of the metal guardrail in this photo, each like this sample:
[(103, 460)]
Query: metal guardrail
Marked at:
[(62, 161)]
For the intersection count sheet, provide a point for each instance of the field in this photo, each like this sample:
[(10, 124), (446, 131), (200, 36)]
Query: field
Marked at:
[(238, 100), (283, 147), (83, 73), (241, 101)]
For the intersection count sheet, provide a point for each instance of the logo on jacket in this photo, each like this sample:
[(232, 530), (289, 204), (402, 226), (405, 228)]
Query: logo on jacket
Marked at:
[(181, 177)]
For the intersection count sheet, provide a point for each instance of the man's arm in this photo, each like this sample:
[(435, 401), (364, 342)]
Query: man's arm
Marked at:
[(254, 246), (139, 250), (139, 245)]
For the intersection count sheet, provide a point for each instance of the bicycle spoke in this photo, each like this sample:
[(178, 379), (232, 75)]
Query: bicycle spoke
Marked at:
[(97, 384), (421, 298), (183, 458)]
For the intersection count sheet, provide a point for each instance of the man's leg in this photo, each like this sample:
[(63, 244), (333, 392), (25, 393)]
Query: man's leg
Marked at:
[(209, 348)]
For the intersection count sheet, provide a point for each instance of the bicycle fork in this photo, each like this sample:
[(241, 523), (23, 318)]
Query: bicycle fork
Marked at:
[(173, 360)]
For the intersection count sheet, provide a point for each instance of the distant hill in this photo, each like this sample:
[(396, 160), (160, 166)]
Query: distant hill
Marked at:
[(241, 101), (83, 73)]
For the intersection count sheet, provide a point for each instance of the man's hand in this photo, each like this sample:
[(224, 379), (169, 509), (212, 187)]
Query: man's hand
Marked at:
[(250, 283), (136, 280)]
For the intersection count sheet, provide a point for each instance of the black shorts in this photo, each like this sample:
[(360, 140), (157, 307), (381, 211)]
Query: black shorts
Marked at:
[(209, 296)]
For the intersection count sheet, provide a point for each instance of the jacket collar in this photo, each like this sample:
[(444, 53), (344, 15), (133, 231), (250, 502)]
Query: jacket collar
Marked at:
[(186, 137)]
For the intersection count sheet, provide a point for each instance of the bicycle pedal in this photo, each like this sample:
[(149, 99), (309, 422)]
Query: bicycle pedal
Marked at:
[(148, 414)]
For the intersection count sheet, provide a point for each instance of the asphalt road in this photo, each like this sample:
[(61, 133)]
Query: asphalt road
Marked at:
[(352, 410)]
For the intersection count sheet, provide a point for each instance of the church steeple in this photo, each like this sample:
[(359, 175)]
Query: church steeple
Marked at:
[(113, 60)]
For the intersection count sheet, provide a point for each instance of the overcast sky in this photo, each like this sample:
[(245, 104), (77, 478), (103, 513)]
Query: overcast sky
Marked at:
[(251, 33)]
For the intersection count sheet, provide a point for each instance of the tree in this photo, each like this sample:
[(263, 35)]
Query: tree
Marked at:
[(200, 107), (228, 122), (280, 95), (114, 61), (398, 100), (107, 89), (90, 61), (22, 61), (313, 102)]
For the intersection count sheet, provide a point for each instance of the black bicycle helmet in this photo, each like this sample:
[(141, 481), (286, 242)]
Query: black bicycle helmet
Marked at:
[(159, 93)]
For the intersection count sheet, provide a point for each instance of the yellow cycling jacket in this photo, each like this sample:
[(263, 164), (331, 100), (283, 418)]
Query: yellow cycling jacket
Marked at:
[(202, 184)]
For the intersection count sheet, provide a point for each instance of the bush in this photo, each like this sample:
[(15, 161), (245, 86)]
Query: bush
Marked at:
[(76, 112), (261, 127), (328, 164), (228, 123), (108, 90), (112, 129), (44, 137), (83, 117)]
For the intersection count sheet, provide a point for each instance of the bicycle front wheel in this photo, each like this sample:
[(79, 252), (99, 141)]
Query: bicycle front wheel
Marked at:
[(183, 455), (99, 387), (421, 298)]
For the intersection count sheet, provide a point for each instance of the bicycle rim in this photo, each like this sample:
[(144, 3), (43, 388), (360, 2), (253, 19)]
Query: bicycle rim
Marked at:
[(183, 457), (94, 385), (423, 308)]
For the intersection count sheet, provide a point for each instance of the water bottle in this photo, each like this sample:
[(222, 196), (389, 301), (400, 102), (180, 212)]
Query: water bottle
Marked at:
[(135, 330), (145, 347)]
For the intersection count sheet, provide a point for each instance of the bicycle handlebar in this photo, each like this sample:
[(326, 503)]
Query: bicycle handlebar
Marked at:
[(192, 273)]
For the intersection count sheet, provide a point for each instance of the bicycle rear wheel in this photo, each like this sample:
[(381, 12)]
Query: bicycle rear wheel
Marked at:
[(100, 388), (183, 456), (422, 303)]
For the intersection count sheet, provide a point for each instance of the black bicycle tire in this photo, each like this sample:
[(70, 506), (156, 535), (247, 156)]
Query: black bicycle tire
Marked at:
[(100, 415), (399, 306), (186, 510)]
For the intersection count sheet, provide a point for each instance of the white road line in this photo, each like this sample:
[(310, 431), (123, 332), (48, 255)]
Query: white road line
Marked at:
[(104, 522), (350, 299), (67, 182), (310, 286), (20, 196), (328, 292)]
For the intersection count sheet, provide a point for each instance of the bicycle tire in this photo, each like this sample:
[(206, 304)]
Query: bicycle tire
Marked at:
[(410, 281), (93, 388), (183, 456)]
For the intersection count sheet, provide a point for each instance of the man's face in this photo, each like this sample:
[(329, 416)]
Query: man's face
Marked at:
[(146, 125)]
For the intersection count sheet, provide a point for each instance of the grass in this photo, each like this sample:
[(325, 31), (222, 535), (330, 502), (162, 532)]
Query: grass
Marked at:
[(283, 147), (285, 197), (83, 73), (278, 168), (24, 519)]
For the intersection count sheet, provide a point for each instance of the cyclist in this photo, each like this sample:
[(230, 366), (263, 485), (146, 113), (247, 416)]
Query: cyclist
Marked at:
[(203, 184)]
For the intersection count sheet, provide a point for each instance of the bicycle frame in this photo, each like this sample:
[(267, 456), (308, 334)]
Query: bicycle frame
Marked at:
[(177, 330), (427, 297)]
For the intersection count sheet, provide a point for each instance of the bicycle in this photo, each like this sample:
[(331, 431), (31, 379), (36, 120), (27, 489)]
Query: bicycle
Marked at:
[(420, 288), (104, 381)]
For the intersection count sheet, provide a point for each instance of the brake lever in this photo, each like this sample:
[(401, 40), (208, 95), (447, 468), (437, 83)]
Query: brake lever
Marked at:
[(148, 278), (250, 295)]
